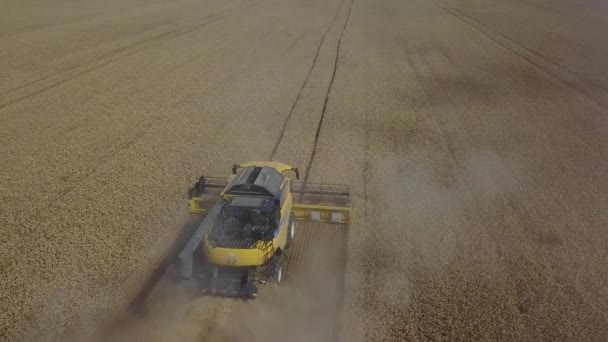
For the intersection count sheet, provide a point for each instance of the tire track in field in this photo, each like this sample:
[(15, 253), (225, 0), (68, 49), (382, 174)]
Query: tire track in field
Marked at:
[(297, 99), (562, 13), (120, 149), (66, 21), (327, 95), (77, 20), (510, 45), (530, 50), (40, 27), (111, 56), (516, 207), (339, 252), (571, 84)]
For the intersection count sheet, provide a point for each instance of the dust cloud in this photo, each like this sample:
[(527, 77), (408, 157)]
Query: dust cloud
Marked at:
[(305, 307), (413, 233)]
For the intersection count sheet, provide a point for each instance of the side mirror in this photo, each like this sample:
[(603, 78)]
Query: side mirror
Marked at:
[(234, 168), (297, 173)]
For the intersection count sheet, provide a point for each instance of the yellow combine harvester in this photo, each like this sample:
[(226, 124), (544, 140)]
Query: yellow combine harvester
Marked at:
[(252, 223)]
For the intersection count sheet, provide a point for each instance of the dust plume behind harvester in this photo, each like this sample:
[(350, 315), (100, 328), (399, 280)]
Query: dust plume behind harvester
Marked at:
[(250, 223)]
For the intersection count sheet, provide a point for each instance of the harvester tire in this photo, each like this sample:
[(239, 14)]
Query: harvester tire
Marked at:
[(291, 230), (276, 269)]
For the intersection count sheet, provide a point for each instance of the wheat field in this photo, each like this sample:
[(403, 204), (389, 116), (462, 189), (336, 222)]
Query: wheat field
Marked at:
[(473, 135)]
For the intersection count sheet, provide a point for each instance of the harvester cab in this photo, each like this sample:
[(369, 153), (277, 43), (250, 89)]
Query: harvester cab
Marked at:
[(250, 222)]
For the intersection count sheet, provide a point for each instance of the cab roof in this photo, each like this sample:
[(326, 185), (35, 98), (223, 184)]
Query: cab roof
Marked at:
[(256, 181), (249, 202)]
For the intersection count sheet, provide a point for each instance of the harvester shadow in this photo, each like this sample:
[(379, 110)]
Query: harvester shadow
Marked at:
[(166, 268)]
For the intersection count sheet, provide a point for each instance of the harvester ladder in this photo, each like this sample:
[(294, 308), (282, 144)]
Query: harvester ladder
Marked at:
[(267, 248)]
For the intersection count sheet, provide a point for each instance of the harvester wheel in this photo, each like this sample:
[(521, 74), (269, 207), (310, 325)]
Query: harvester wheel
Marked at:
[(276, 269), (291, 230)]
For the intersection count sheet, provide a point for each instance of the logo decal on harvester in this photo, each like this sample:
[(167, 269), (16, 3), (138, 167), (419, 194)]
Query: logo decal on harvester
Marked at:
[(231, 259)]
